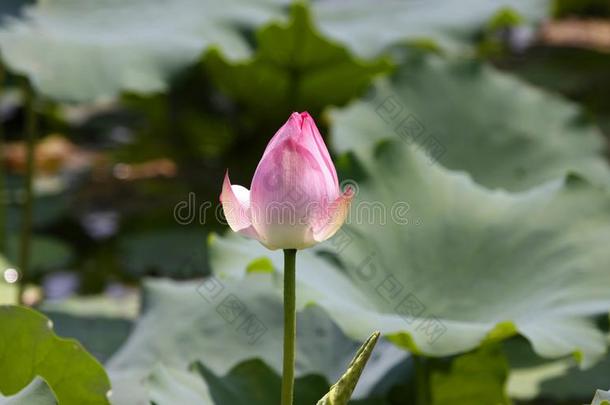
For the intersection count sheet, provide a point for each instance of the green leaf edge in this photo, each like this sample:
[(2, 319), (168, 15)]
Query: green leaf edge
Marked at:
[(58, 341), (301, 10), (501, 331)]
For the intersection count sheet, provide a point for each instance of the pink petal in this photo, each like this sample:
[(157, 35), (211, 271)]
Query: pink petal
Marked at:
[(235, 202), (302, 129), (329, 221), (286, 186), (309, 127), (290, 129)]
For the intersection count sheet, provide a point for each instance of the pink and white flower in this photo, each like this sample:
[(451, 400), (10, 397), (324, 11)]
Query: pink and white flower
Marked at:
[(294, 201)]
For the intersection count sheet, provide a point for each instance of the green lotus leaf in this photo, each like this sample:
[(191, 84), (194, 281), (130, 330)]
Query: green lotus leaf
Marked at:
[(85, 50), (470, 117), (295, 68), (369, 27), (29, 348), (440, 264), (223, 323), (250, 382)]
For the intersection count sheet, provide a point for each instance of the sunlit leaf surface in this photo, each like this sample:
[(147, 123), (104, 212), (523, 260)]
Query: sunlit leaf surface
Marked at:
[(470, 117), (453, 264)]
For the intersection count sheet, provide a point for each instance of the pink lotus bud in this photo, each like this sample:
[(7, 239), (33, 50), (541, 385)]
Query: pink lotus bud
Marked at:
[(294, 201)]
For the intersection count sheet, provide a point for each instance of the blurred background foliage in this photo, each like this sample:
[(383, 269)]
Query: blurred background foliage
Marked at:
[(143, 105)]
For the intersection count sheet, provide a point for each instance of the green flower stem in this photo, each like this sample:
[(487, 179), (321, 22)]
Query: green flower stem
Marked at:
[(26, 213), (290, 325)]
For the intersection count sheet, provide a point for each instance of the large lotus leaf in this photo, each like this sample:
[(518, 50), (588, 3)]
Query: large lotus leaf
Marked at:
[(82, 50), (29, 348), (295, 68), (223, 323), (206, 331), (470, 117), (233, 256), (86, 49), (369, 27), (442, 264), (250, 382)]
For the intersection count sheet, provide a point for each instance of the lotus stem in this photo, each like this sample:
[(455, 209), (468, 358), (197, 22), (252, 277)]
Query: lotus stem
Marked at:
[(290, 326)]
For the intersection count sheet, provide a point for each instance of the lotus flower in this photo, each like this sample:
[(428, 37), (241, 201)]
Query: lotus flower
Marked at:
[(294, 201)]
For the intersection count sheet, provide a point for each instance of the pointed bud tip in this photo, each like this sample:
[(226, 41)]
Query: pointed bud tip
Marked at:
[(300, 118), (225, 182)]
